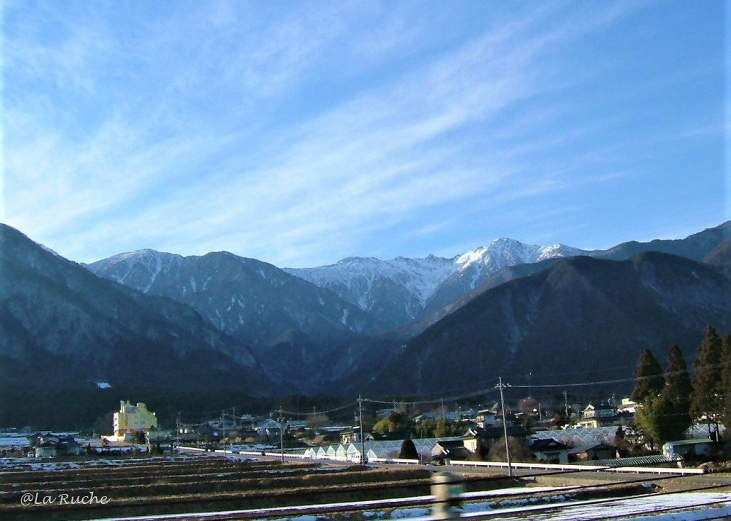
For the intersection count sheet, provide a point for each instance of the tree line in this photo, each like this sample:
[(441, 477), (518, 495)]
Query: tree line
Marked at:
[(669, 403)]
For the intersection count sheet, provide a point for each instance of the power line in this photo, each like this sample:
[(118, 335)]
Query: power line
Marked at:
[(348, 405), (435, 400), (484, 391)]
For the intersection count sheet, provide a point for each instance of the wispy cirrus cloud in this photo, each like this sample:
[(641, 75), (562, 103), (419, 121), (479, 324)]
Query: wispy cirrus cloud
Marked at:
[(300, 135)]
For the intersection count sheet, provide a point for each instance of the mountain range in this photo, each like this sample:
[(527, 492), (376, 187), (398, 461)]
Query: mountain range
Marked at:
[(581, 319), (290, 324), (402, 290), (403, 326), (60, 325)]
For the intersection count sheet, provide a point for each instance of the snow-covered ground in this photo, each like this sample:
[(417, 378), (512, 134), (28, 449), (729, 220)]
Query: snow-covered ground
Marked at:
[(7, 440), (696, 506), (662, 507), (691, 506), (18, 439)]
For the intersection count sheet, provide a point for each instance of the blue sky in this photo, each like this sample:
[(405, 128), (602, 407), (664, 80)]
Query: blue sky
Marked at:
[(299, 133)]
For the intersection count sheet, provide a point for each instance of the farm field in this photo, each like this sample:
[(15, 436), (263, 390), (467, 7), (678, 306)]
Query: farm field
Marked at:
[(247, 488), (113, 488)]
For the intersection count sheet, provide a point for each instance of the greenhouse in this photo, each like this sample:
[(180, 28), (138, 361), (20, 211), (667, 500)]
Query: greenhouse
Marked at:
[(384, 449)]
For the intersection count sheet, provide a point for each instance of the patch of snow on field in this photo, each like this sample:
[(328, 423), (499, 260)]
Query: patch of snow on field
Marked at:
[(696, 507), (301, 518), (13, 441)]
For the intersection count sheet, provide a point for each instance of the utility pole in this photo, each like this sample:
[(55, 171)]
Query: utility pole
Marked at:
[(566, 404), (363, 458), (178, 428), (505, 425), (281, 432), (222, 430)]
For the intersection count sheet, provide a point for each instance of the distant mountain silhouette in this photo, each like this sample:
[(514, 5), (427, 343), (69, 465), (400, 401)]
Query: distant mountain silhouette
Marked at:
[(695, 247)]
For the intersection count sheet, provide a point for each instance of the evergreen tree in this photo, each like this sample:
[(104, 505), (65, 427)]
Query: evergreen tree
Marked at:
[(677, 379), (677, 393), (650, 381), (726, 381), (654, 420), (707, 398), (408, 450)]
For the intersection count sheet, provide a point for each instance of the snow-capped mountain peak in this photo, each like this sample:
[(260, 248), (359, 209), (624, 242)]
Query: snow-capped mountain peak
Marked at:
[(412, 284), (509, 252), (356, 278)]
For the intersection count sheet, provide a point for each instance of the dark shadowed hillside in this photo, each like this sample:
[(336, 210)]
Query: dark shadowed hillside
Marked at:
[(188, 322), (582, 319), (695, 247), (61, 325), (721, 255), (287, 321)]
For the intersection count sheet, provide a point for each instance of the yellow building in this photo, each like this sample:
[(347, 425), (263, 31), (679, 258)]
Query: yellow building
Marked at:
[(133, 418)]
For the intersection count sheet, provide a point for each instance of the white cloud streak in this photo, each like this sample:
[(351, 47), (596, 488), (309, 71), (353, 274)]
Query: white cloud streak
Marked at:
[(224, 128)]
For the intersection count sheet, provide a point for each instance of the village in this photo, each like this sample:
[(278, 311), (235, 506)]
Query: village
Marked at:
[(596, 433)]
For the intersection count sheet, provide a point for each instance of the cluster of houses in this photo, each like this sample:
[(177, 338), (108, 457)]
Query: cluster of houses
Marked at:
[(244, 429), (475, 443), (49, 445), (590, 439), (483, 429)]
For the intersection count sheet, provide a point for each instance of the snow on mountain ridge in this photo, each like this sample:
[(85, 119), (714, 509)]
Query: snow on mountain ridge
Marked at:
[(357, 275), (509, 252), (393, 291), (354, 278), (480, 263), (144, 265), (558, 250)]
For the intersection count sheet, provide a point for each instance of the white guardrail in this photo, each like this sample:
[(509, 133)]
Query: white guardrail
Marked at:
[(657, 470), (579, 468), (531, 466)]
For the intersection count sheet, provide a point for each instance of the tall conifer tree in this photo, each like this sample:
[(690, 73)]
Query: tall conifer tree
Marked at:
[(676, 393), (707, 398), (677, 379), (654, 419), (726, 379), (650, 381), (408, 450)]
